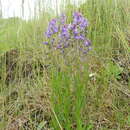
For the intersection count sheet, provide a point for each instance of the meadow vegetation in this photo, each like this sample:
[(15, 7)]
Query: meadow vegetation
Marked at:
[(41, 92)]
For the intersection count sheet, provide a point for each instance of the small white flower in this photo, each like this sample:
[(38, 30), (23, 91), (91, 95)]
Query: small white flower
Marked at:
[(92, 75)]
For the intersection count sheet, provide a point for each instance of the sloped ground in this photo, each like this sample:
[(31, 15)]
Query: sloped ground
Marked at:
[(28, 101)]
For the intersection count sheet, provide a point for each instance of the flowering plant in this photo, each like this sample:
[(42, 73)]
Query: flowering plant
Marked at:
[(68, 38)]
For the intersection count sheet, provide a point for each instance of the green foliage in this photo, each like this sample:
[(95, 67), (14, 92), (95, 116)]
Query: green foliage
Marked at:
[(113, 70), (69, 89), (8, 34)]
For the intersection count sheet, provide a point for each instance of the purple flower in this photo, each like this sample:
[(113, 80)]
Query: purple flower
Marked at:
[(85, 51), (55, 29), (72, 26), (65, 32), (52, 28), (84, 23), (89, 48), (52, 22), (48, 33), (77, 18), (80, 20), (79, 37), (63, 19), (64, 28), (75, 31), (87, 43), (59, 46), (46, 43)]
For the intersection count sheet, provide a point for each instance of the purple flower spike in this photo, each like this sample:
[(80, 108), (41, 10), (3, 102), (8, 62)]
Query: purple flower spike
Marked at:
[(65, 32), (52, 28), (84, 23), (77, 18), (52, 22), (80, 20)]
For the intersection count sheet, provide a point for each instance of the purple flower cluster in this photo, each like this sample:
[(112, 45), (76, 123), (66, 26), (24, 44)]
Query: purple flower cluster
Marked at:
[(52, 28), (62, 35)]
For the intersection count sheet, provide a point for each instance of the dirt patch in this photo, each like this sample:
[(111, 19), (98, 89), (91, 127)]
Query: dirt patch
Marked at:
[(35, 111), (15, 68), (11, 63), (124, 62)]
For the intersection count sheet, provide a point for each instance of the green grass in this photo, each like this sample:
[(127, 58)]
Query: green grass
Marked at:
[(37, 92)]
